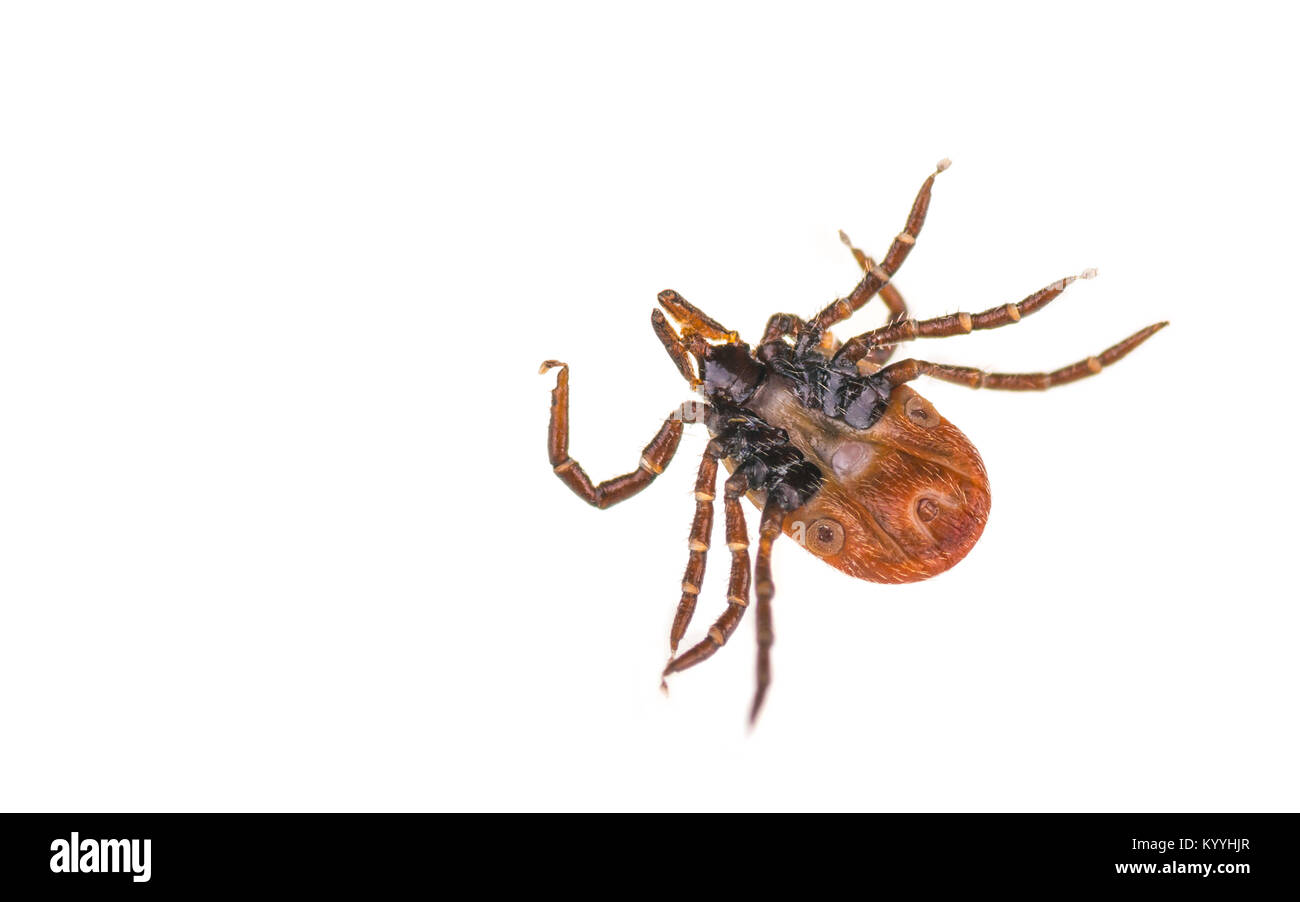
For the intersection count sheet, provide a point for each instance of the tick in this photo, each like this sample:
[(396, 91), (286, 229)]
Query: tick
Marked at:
[(827, 439)]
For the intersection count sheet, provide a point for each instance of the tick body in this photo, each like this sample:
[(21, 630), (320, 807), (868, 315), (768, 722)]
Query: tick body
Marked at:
[(826, 439)]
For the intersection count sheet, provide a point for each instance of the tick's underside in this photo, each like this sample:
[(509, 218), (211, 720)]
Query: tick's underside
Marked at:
[(825, 438)]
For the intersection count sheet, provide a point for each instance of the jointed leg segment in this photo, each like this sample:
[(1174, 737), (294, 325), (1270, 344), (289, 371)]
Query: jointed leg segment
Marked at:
[(889, 294), (954, 323), (768, 529), (907, 370), (878, 276), (779, 325), (701, 531), (773, 519), (654, 457), (737, 587)]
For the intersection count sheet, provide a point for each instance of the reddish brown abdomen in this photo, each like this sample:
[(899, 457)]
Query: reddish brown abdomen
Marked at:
[(903, 501)]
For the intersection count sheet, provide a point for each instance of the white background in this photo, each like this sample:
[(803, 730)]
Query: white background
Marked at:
[(277, 529)]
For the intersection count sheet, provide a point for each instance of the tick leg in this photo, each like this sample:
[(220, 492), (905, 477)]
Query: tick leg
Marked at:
[(768, 529), (701, 530), (889, 294), (907, 370), (859, 346), (694, 319), (737, 587), (654, 457), (877, 277), (779, 325)]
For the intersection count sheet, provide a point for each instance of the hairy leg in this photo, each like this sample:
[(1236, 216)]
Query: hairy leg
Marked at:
[(859, 346), (907, 370), (737, 587), (654, 457), (877, 277)]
